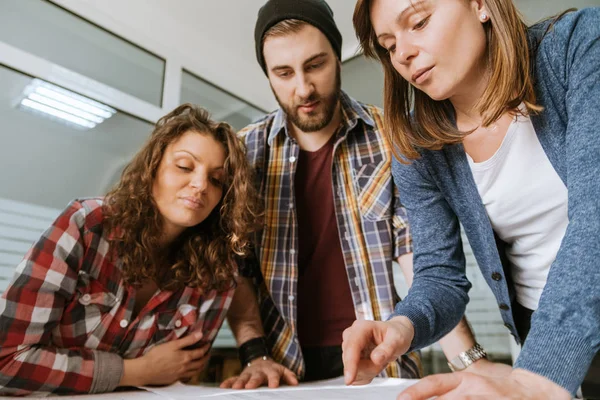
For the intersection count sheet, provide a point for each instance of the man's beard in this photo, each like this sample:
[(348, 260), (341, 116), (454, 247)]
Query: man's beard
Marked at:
[(316, 120)]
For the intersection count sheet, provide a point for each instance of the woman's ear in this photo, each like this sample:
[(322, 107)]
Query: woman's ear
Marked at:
[(480, 10)]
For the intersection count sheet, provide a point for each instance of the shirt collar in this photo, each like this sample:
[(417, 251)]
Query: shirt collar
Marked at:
[(352, 112)]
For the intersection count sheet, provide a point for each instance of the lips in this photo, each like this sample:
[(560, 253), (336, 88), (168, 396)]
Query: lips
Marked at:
[(192, 202), (308, 107), (421, 74)]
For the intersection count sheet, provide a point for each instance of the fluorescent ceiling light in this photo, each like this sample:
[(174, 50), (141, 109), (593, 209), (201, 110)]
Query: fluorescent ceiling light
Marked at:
[(63, 105)]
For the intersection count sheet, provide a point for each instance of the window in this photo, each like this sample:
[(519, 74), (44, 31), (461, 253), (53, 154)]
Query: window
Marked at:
[(80, 46), (223, 106), (65, 162)]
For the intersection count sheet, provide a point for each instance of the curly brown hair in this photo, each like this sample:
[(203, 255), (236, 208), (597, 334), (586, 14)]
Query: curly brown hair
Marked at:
[(204, 256)]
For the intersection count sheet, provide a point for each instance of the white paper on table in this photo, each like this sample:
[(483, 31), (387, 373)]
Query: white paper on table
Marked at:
[(333, 389)]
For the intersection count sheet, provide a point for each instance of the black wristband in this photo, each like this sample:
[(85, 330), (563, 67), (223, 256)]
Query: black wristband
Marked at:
[(253, 349)]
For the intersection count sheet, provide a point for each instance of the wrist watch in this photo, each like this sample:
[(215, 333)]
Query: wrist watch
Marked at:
[(466, 358)]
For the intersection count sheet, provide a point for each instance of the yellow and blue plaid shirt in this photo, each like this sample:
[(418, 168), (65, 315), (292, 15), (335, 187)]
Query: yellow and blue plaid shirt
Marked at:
[(371, 222)]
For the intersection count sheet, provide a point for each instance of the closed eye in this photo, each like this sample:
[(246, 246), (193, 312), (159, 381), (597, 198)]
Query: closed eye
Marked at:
[(315, 66), (217, 182), (421, 24)]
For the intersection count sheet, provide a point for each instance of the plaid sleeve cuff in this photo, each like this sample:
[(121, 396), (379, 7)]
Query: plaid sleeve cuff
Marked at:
[(108, 371)]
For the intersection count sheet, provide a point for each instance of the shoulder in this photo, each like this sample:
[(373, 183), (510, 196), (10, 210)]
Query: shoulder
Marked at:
[(569, 37), (578, 24), (250, 134), (372, 110), (368, 111), (85, 213)]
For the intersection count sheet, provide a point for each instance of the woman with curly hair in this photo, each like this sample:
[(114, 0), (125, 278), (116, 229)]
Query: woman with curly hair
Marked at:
[(131, 289)]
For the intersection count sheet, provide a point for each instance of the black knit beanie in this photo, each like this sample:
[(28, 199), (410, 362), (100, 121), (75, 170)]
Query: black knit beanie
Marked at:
[(315, 12)]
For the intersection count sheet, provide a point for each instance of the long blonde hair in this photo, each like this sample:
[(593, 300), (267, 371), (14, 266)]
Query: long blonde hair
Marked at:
[(431, 126)]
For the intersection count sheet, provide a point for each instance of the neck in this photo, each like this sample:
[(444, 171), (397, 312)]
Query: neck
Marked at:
[(168, 237), (313, 141), (465, 101)]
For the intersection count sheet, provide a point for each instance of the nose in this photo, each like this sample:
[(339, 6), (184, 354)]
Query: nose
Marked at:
[(304, 87), (199, 181), (405, 51)]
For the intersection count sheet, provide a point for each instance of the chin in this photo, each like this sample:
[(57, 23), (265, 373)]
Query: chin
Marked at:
[(188, 222), (437, 95)]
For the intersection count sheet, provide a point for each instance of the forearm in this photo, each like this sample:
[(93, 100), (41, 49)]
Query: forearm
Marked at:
[(132, 373), (244, 315), (461, 338), (72, 371)]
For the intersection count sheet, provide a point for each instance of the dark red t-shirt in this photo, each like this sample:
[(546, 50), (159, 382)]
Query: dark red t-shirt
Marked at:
[(325, 306)]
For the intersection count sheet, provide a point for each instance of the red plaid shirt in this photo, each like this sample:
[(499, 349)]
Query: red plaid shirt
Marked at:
[(65, 320)]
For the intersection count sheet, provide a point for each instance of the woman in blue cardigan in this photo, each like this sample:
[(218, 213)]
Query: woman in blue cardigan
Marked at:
[(496, 126)]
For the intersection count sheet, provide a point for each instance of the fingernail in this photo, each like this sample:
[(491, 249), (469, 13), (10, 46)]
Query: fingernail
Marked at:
[(378, 356), (404, 397), (198, 334), (347, 377)]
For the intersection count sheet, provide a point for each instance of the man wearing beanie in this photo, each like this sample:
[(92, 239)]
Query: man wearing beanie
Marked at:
[(333, 221)]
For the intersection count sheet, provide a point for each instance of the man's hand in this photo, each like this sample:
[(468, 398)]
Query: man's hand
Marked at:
[(369, 346), (261, 372), (519, 384)]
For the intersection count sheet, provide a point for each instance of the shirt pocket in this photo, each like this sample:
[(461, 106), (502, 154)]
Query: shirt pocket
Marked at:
[(87, 314), (373, 182), (173, 324)]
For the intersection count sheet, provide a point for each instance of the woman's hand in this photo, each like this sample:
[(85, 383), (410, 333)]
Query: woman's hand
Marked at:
[(167, 363), (369, 346), (518, 385)]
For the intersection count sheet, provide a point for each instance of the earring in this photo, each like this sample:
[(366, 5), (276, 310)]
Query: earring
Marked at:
[(484, 17)]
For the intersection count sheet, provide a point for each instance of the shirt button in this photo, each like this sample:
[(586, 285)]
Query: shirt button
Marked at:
[(291, 298), (124, 323), (357, 282), (504, 307), (178, 323), (85, 299), (292, 159), (497, 276), (291, 205), (292, 251)]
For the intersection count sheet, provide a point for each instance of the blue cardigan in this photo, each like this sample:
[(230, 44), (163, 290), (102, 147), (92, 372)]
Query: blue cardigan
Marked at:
[(438, 191)]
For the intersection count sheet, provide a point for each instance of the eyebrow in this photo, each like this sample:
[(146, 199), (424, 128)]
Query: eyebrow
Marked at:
[(401, 15), (196, 158), (310, 59), (313, 58)]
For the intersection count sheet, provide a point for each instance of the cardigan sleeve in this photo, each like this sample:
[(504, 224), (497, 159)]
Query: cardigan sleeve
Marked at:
[(565, 329), (438, 296)]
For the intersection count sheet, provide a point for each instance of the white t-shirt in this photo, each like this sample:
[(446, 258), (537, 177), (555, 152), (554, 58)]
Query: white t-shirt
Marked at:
[(526, 202)]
